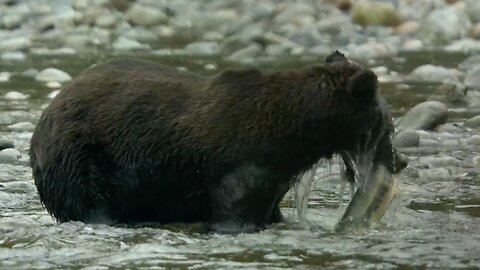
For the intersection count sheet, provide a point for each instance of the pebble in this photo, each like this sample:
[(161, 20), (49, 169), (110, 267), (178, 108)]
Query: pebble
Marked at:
[(22, 126), (473, 122), (14, 95), (53, 74), (4, 144), (426, 116), (9, 156)]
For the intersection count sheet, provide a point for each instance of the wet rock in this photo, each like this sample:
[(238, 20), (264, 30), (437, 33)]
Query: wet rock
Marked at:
[(203, 48), (213, 36), (321, 49), (412, 45), (435, 174), (333, 23), (31, 73), (450, 93), (432, 73), (307, 36), (476, 161), (145, 16), (445, 25), (406, 138), (430, 143), (451, 128), (473, 122), (53, 94), (473, 140), (246, 54), (106, 20), (294, 12), (22, 126), (466, 45), (375, 13), (369, 50), (470, 63), (15, 44), (473, 78), (9, 156), (13, 56), (53, 84), (472, 8), (439, 162), (4, 144), (407, 28), (125, 44), (475, 31), (5, 76), (244, 38), (424, 116), (53, 74), (14, 95)]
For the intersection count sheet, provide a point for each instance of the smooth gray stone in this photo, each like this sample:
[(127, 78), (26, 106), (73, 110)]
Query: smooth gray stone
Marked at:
[(424, 116), (406, 138)]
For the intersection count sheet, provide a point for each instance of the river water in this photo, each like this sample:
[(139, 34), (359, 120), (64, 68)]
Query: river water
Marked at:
[(434, 222)]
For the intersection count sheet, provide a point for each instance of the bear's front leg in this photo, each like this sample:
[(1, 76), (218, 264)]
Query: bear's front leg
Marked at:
[(246, 199)]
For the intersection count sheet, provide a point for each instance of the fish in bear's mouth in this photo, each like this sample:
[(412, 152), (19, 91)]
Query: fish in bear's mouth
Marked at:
[(372, 181)]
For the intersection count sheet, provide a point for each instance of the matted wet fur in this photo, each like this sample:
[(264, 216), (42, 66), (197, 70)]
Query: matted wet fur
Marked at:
[(134, 141)]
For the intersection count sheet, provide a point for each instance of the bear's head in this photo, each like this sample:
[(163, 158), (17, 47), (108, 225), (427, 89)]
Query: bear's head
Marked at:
[(364, 127)]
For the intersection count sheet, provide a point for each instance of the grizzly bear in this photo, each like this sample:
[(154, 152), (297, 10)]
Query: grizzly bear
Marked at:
[(133, 141)]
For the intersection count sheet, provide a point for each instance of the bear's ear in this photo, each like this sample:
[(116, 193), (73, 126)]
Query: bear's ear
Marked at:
[(336, 57), (363, 86)]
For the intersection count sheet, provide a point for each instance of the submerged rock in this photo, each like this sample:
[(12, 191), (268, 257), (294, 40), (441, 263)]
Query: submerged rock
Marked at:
[(424, 116), (53, 74)]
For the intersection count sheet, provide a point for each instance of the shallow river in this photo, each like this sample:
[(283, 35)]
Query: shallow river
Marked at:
[(433, 223)]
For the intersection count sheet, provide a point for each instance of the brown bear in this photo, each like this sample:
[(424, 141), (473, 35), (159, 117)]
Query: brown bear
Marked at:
[(133, 141)]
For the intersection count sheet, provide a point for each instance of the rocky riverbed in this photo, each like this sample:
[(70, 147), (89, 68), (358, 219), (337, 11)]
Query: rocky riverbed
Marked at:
[(425, 53)]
